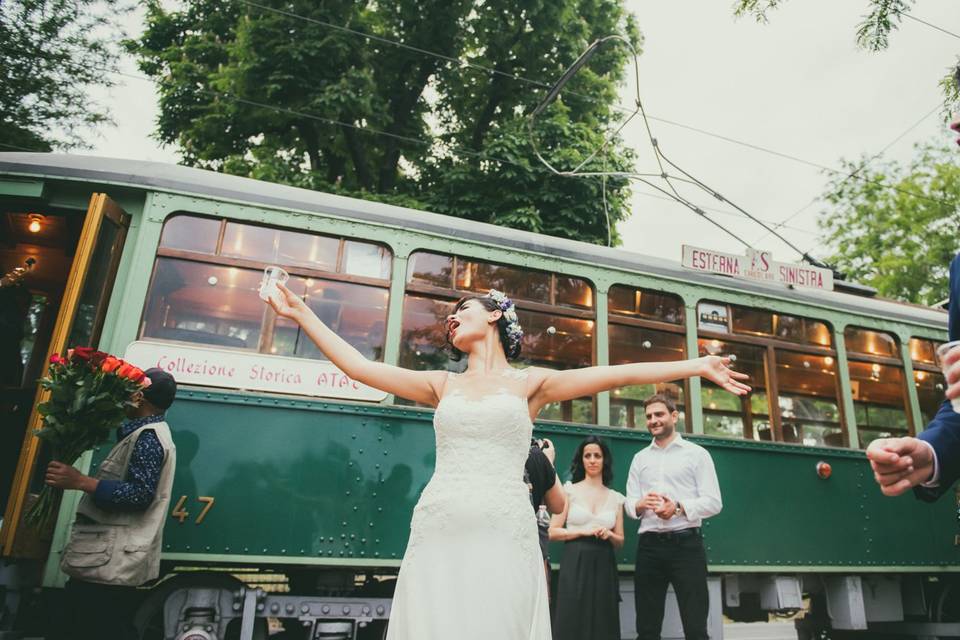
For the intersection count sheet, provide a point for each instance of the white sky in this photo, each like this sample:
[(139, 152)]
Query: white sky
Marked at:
[(798, 85)]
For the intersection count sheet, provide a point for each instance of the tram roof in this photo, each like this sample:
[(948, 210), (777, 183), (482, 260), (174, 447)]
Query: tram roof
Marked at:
[(177, 178)]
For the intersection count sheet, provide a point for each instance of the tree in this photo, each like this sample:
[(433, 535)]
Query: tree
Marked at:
[(316, 95), (897, 227), (873, 34), (51, 53)]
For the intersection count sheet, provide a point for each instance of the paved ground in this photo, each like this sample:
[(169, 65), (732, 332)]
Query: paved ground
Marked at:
[(759, 631)]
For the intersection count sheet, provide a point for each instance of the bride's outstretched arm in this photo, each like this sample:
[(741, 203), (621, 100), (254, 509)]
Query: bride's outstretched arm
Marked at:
[(555, 386), (420, 386)]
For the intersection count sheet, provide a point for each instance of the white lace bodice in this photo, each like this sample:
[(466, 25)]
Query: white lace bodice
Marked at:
[(485, 437)]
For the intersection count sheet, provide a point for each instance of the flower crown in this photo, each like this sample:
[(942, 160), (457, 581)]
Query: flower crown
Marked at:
[(514, 332)]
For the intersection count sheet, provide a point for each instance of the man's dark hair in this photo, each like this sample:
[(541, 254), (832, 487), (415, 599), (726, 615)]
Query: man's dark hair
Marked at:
[(577, 470), (162, 389), (661, 397)]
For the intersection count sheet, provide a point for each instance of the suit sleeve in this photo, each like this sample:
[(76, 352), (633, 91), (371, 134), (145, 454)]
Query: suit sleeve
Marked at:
[(943, 434)]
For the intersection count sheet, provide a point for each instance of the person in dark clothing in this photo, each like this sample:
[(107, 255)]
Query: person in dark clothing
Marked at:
[(545, 491), (930, 463), (115, 541)]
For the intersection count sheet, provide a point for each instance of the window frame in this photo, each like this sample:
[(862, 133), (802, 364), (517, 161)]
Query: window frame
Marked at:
[(453, 294), (269, 319), (926, 367), (771, 345), (639, 322), (857, 356)]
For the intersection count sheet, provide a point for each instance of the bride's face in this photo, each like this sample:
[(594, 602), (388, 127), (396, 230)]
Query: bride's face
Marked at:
[(470, 324), (593, 460)]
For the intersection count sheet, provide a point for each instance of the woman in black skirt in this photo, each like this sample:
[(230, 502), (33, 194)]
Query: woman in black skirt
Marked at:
[(588, 594)]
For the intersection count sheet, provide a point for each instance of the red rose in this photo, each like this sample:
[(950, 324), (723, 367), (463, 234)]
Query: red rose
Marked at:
[(56, 359), (110, 364), (125, 370), (97, 357), (83, 353)]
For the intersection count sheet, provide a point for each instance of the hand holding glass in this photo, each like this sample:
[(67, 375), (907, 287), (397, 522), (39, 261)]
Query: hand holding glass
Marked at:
[(268, 285)]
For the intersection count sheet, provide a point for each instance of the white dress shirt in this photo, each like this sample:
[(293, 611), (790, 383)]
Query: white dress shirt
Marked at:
[(682, 471)]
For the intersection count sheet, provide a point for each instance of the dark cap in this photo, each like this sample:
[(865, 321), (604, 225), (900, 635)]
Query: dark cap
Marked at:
[(162, 388)]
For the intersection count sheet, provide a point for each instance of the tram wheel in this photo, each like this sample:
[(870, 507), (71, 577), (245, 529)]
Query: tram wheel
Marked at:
[(148, 619)]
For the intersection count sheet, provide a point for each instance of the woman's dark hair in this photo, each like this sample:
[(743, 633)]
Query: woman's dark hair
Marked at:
[(577, 470), (490, 305)]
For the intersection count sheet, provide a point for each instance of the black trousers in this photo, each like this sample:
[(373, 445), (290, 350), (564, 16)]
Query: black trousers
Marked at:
[(680, 560), (92, 611)]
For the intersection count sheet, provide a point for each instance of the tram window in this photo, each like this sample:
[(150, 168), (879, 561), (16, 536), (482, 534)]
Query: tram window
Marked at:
[(870, 343), (752, 321), (204, 303), (279, 246), (356, 312), (561, 339), (923, 351), (878, 388), (574, 292), (432, 269), (191, 233), (569, 345), (520, 284), (927, 378), (808, 403), (636, 344), (725, 414), (931, 387), (645, 303), (365, 259)]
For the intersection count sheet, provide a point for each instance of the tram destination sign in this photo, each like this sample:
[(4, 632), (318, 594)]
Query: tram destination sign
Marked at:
[(758, 266), (212, 367)]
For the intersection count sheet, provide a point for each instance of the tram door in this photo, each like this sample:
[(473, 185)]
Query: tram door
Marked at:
[(59, 267)]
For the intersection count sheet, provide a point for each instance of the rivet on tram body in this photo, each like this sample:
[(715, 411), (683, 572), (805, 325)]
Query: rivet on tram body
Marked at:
[(275, 607), (380, 610), (289, 608), (325, 608), (305, 608), (346, 609)]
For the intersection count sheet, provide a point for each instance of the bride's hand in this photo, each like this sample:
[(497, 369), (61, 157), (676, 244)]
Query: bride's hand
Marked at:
[(717, 369), (288, 304)]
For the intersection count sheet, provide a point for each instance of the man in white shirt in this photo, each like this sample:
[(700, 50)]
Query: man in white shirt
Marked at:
[(671, 488)]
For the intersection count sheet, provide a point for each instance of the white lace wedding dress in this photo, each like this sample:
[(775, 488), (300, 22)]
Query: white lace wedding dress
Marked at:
[(473, 569)]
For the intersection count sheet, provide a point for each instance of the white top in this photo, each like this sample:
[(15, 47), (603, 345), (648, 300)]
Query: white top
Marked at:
[(581, 518), (684, 472)]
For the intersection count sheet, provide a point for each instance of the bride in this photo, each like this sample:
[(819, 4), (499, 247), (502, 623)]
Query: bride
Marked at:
[(472, 568)]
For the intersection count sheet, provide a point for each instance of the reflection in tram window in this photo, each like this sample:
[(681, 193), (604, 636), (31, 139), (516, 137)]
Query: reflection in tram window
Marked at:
[(558, 335), (281, 247), (807, 399), (636, 344), (357, 313), (204, 303), (191, 233), (645, 303), (208, 272), (725, 414), (877, 384), (927, 378)]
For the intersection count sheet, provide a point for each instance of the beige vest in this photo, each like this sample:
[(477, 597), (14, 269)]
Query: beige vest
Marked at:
[(121, 547)]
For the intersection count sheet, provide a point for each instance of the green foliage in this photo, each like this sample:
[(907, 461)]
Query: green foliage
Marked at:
[(896, 228), (280, 91), (51, 53), (873, 34)]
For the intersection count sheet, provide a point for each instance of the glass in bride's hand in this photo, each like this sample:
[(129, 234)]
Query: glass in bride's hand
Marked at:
[(268, 285)]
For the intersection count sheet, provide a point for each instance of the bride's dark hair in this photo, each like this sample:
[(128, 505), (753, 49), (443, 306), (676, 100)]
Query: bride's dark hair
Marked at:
[(511, 350)]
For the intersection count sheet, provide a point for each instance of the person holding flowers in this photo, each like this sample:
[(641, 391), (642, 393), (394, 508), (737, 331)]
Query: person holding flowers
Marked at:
[(115, 542)]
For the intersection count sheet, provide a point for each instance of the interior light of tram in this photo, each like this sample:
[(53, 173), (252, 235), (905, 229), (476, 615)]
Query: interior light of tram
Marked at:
[(34, 225)]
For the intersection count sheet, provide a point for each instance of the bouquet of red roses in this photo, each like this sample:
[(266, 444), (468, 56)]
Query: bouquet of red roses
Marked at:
[(89, 394)]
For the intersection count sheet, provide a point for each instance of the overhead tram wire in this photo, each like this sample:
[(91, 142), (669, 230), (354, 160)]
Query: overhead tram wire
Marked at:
[(546, 85), (855, 172), (930, 24), (661, 158)]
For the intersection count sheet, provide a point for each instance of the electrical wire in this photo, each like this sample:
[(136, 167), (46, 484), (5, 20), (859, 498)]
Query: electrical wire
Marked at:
[(662, 160)]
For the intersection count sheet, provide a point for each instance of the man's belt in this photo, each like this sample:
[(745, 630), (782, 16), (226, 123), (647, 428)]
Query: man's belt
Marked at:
[(666, 536)]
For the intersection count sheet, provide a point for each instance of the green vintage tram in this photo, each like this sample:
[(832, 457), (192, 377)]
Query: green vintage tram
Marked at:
[(295, 485)]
